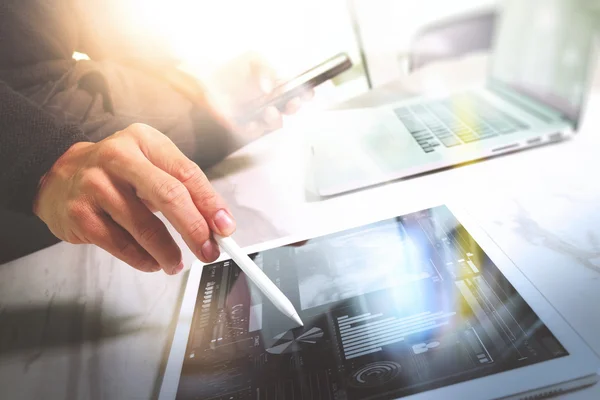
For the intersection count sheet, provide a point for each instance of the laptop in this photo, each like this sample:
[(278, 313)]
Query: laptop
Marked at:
[(538, 81)]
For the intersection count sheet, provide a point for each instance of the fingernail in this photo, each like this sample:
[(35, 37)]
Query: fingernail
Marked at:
[(210, 250), (224, 223), (177, 269)]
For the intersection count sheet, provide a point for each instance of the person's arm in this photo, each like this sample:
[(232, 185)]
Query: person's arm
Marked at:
[(103, 193), (30, 142)]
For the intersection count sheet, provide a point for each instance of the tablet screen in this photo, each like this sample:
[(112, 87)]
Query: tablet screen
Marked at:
[(390, 309)]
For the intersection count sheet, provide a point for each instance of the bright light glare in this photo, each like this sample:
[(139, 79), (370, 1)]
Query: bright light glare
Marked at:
[(80, 56), (205, 34), (194, 29)]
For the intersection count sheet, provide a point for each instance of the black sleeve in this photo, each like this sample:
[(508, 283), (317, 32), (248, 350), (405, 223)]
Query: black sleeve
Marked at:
[(30, 142)]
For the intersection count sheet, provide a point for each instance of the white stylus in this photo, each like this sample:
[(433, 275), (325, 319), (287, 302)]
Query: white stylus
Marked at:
[(258, 277)]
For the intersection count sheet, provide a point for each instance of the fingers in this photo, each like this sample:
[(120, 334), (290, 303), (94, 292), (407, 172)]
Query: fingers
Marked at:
[(167, 157), (163, 177), (272, 119), (105, 233), (261, 73), (149, 206), (252, 130), (170, 196), (131, 214), (293, 106), (266, 84), (308, 95)]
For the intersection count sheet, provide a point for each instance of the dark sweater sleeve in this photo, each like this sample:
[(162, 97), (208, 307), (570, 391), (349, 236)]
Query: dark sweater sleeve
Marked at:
[(30, 142)]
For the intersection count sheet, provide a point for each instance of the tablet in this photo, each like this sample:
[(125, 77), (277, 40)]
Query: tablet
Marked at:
[(421, 305)]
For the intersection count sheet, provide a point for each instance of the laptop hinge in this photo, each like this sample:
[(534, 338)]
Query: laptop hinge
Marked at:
[(524, 102)]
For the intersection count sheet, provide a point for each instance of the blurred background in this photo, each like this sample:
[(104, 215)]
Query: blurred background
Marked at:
[(386, 39)]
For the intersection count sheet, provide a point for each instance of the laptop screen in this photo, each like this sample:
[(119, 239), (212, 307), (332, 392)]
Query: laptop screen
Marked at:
[(544, 50)]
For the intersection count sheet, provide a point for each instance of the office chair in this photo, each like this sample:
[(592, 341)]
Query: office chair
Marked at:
[(451, 38)]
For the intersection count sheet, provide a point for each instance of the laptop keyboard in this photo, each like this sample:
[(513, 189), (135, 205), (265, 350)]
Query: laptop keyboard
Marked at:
[(460, 119)]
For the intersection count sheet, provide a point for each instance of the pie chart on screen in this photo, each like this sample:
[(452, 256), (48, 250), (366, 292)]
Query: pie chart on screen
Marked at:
[(289, 342)]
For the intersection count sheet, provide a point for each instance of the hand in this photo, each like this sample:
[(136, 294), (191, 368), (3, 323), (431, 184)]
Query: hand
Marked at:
[(244, 79), (103, 193)]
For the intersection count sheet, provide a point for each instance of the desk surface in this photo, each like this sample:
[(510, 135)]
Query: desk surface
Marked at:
[(78, 324)]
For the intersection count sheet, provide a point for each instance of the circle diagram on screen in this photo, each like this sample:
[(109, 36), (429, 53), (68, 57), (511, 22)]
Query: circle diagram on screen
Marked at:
[(375, 374), (288, 341)]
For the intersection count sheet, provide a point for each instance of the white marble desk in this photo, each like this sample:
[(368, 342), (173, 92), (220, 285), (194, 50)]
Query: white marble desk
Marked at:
[(77, 324)]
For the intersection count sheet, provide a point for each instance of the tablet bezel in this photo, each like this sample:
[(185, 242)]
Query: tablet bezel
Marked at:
[(580, 365)]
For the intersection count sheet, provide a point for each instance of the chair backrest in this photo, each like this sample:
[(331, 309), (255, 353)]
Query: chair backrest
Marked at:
[(452, 37)]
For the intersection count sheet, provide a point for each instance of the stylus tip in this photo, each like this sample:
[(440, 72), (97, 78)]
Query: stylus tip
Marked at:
[(296, 318)]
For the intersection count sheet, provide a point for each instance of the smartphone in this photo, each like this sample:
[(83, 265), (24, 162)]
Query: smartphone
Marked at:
[(282, 94)]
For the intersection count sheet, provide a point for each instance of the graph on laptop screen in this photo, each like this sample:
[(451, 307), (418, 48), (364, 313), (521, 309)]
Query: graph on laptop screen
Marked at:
[(544, 49), (390, 309)]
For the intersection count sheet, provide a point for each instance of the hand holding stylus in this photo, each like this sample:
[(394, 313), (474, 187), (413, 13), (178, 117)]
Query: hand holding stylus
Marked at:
[(258, 277), (105, 193)]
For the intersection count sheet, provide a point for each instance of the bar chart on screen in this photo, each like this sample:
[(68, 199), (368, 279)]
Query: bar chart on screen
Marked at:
[(368, 333)]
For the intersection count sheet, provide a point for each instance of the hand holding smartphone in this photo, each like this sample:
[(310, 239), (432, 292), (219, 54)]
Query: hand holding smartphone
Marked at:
[(295, 87)]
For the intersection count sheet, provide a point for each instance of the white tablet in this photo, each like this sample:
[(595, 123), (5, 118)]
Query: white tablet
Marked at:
[(421, 305)]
